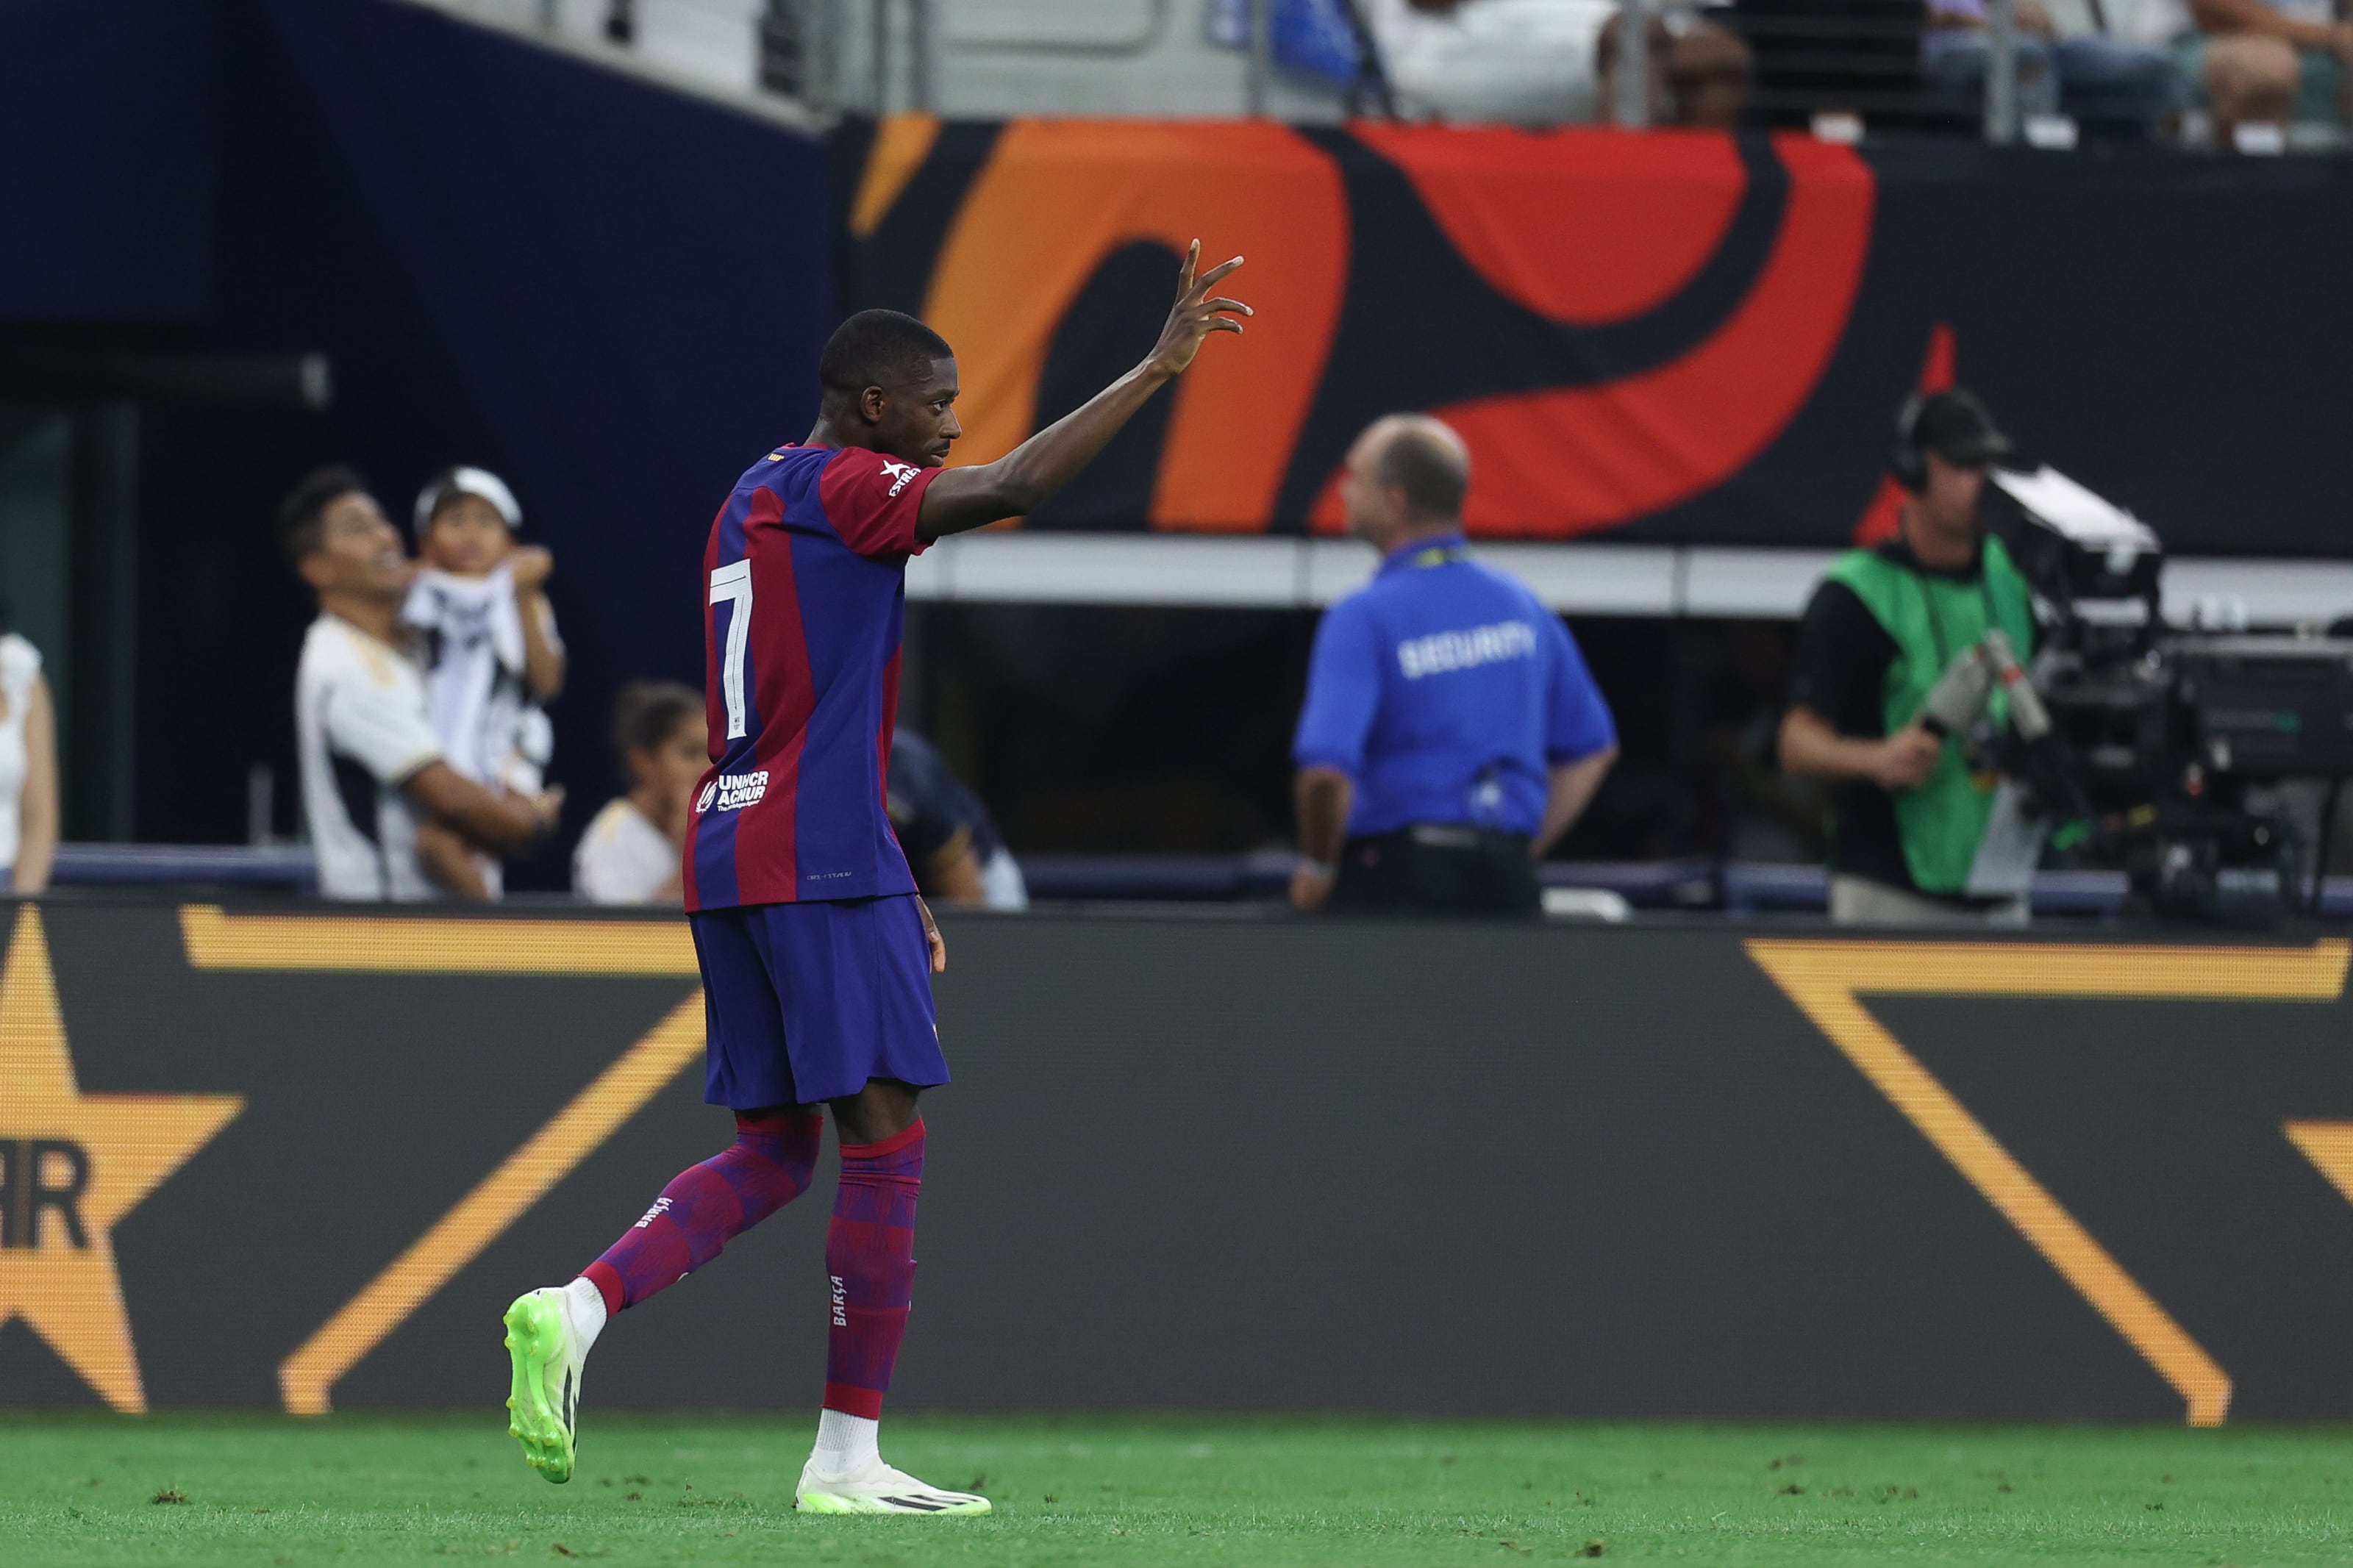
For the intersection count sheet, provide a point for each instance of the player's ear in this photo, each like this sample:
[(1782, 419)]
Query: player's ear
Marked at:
[(872, 404)]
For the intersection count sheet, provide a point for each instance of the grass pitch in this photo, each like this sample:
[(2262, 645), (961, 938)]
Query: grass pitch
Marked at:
[(1238, 1493)]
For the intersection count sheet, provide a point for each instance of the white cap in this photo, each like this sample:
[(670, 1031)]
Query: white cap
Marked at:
[(463, 480)]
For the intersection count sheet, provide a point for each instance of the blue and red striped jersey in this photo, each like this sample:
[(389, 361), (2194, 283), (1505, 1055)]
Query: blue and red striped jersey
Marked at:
[(806, 580)]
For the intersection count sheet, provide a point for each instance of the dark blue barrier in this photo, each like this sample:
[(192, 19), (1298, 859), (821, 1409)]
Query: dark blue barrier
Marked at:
[(1736, 887), (285, 867)]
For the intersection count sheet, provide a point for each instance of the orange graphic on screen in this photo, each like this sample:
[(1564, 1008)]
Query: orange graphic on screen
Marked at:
[(71, 1165), (1058, 197), (1577, 231)]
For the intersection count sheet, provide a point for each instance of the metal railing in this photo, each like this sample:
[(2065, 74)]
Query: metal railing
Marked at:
[(1845, 68)]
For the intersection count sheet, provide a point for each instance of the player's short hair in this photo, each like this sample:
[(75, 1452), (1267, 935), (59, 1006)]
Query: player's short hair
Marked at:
[(648, 712), (1420, 459), (304, 510), (878, 348)]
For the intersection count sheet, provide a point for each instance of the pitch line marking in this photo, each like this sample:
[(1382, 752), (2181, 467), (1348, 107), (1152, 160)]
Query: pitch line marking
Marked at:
[(1825, 979)]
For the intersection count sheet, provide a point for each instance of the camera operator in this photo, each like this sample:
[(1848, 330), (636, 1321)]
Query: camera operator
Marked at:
[(1920, 829)]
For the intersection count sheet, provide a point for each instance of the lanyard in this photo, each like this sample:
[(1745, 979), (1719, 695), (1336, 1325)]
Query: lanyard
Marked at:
[(1936, 619), (1437, 555)]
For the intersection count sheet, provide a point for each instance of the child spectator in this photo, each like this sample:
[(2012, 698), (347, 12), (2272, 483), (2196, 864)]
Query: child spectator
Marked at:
[(630, 853), (492, 653)]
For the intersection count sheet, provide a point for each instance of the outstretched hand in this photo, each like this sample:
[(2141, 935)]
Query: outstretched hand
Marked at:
[(1197, 313)]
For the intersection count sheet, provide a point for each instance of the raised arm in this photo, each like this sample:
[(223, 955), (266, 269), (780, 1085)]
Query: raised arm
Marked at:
[(542, 652), (1019, 481)]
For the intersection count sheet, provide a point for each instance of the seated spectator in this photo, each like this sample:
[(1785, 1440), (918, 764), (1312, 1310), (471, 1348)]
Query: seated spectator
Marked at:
[(630, 853), (1521, 62), (1699, 76), (1710, 70), (1311, 42), (2258, 63), (372, 770), (2090, 76), (28, 770), (952, 843), (491, 651)]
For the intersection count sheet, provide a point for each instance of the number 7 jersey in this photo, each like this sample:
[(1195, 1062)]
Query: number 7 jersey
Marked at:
[(806, 597)]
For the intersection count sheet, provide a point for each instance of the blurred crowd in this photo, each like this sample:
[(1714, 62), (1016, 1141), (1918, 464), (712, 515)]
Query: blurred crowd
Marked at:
[(2233, 74)]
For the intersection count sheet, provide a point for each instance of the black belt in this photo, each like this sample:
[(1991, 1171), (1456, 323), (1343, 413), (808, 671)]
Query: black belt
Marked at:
[(1446, 835)]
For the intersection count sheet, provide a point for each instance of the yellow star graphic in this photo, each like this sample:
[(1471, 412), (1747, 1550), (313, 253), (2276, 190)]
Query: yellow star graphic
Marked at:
[(70, 1165)]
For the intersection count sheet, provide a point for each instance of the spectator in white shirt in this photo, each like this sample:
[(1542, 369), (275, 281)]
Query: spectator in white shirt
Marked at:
[(1700, 75), (630, 853), (1520, 62), (372, 770), (28, 770)]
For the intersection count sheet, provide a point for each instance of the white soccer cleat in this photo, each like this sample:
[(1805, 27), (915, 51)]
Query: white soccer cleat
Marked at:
[(545, 1400), (879, 1488)]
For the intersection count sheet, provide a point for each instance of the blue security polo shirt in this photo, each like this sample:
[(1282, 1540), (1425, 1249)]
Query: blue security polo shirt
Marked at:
[(1447, 690)]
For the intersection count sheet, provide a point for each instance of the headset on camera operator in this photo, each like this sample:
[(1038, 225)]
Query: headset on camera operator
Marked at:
[(1906, 653)]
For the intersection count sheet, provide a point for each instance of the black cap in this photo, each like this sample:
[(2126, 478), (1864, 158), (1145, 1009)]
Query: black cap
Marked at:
[(1955, 427)]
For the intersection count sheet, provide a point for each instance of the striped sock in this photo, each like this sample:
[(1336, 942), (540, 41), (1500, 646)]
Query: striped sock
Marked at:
[(707, 1206), (871, 1258)]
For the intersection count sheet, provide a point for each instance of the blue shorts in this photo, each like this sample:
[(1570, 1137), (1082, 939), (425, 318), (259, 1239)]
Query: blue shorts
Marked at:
[(803, 1003)]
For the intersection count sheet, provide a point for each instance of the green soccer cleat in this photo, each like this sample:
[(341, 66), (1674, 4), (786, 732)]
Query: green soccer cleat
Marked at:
[(879, 1488), (546, 1404)]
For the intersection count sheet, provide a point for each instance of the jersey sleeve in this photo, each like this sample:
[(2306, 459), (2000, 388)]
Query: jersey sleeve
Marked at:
[(1841, 662), (872, 502), (381, 725), (1344, 690), (1576, 719)]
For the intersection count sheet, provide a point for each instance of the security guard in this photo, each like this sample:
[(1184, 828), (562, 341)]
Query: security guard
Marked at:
[(1451, 733), (1917, 833)]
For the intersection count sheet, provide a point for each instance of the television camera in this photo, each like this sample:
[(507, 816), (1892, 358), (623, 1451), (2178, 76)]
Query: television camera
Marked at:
[(2156, 750)]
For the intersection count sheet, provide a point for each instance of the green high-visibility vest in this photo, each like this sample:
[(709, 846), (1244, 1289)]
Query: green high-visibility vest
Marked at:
[(1932, 620)]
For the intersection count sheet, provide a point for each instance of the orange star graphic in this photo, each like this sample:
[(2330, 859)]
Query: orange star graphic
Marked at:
[(71, 1164)]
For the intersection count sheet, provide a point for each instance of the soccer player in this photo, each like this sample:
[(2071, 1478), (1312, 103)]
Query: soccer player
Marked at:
[(814, 946)]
